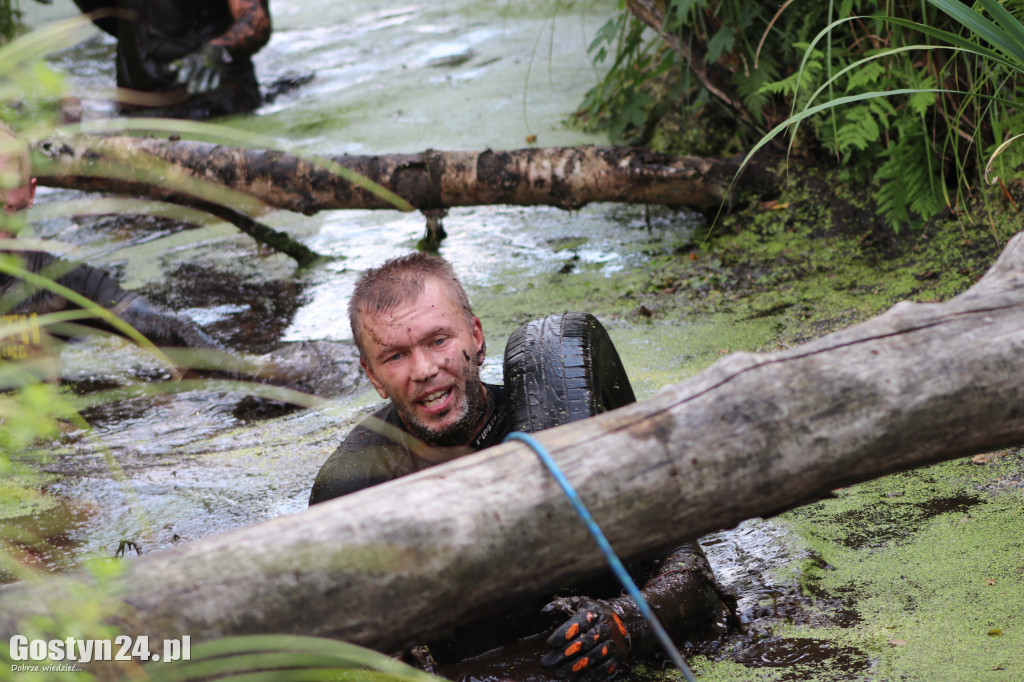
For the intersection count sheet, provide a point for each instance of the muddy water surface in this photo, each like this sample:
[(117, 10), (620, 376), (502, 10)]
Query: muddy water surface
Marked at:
[(385, 77)]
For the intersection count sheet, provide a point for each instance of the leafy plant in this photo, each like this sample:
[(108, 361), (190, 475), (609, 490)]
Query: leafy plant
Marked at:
[(917, 97), (944, 132), (285, 657), (10, 18)]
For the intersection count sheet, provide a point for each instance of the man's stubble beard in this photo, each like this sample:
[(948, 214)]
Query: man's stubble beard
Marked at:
[(463, 430)]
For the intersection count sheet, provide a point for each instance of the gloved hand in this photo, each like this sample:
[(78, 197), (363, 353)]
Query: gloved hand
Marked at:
[(202, 69), (591, 644)]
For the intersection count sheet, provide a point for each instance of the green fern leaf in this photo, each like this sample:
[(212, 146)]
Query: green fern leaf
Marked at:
[(910, 191), (864, 77)]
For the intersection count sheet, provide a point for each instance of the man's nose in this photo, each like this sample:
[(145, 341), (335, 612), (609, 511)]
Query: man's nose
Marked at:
[(424, 365)]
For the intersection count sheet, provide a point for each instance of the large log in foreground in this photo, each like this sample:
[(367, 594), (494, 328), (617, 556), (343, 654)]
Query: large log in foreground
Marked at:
[(567, 177), (752, 435)]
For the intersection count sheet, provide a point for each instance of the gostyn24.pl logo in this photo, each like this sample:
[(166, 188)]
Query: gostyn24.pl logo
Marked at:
[(71, 651)]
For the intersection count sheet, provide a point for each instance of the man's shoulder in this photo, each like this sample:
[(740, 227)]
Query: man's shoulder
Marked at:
[(377, 427), (377, 449), (372, 453)]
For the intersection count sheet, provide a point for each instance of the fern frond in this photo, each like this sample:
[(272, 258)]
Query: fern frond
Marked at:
[(910, 190), (856, 128), (864, 77)]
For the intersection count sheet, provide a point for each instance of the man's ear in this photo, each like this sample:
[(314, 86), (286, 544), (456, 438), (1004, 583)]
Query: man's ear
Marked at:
[(373, 378), (481, 343)]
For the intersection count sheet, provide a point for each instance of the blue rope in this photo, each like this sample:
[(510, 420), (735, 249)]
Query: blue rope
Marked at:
[(609, 554)]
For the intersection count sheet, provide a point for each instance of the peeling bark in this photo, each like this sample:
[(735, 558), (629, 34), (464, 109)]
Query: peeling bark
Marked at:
[(568, 177)]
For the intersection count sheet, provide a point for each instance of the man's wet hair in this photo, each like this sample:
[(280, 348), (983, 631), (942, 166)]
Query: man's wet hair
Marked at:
[(400, 280)]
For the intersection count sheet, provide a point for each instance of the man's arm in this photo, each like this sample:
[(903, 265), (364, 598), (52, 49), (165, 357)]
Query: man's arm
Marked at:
[(161, 326), (251, 30), (202, 69)]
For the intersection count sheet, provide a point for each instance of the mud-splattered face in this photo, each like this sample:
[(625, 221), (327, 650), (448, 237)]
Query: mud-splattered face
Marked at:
[(424, 355)]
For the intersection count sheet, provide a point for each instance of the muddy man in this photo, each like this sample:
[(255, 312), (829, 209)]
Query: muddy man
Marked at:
[(196, 55), (421, 347)]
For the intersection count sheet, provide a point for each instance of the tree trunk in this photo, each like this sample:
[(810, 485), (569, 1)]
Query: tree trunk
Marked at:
[(569, 177), (752, 435)]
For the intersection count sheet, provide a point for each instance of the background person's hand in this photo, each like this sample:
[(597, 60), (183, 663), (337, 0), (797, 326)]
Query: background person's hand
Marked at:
[(588, 646), (202, 69)]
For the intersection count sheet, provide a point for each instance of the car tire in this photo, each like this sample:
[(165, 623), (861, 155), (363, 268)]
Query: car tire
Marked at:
[(560, 369)]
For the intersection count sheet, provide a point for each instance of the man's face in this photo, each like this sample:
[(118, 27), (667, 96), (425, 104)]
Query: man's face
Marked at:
[(424, 355), (17, 192)]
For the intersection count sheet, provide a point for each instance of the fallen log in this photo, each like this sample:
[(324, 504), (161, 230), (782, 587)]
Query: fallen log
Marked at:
[(752, 435), (567, 177)]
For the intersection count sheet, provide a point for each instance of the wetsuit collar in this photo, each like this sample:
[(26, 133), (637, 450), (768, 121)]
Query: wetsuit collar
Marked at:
[(490, 422)]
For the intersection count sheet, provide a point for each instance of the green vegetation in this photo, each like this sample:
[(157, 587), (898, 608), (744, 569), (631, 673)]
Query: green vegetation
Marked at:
[(928, 567), (916, 96), (285, 657), (10, 19)]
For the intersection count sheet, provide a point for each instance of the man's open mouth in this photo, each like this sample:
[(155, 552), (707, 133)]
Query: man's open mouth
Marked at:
[(435, 399)]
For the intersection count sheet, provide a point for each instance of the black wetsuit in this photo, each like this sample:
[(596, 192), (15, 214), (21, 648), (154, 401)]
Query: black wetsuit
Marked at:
[(160, 326), (161, 31), (368, 457)]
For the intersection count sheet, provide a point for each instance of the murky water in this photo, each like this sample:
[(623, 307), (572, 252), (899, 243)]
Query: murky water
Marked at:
[(450, 74)]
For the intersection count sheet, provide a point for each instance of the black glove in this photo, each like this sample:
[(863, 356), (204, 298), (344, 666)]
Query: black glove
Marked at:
[(201, 70), (591, 644)]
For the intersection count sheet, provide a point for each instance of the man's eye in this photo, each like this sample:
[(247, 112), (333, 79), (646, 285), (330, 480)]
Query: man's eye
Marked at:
[(394, 357), (440, 340)]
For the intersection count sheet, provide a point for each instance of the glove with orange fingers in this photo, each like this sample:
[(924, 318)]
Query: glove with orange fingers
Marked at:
[(589, 646)]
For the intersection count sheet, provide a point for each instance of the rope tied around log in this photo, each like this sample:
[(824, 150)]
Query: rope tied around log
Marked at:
[(606, 549)]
